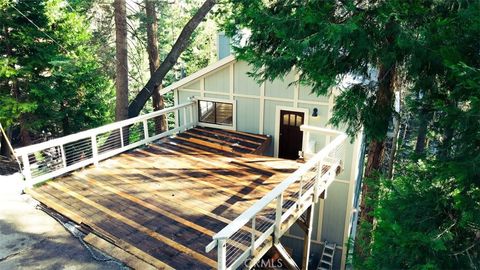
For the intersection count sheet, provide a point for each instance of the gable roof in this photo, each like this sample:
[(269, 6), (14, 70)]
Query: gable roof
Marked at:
[(219, 64)]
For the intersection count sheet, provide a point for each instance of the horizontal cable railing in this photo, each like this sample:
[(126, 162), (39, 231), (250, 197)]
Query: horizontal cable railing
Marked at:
[(52, 158), (272, 214)]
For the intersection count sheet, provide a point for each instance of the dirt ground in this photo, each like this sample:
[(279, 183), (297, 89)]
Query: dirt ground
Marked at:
[(7, 167), (31, 239)]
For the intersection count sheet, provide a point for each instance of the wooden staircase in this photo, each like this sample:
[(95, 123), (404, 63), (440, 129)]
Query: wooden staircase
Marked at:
[(326, 260)]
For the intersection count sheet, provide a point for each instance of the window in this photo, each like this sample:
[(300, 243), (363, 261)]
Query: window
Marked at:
[(292, 120), (214, 112)]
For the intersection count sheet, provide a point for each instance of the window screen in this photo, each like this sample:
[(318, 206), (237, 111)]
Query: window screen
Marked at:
[(212, 112)]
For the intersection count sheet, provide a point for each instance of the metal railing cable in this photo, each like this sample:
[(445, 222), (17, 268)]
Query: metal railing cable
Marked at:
[(52, 158), (265, 218)]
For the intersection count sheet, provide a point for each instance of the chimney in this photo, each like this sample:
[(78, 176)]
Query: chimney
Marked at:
[(223, 46)]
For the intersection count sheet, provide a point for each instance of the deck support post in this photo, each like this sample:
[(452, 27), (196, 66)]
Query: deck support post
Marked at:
[(121, 137), (316, 186), (252, 237), (278, 219), (287, 259), (64, 158), (94, 149), (194, 110), (192, 121), (307, 237), (185, 118), (145, 130), (27, 173), (222, 254)]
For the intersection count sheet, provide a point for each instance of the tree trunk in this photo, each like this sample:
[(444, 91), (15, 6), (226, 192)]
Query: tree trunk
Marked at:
[(25, 138), (372, 166), (182, 41), (382, 106), (121, 65), (422, 132), (376, 148), (4, 148), (154, 63), (396, 131)]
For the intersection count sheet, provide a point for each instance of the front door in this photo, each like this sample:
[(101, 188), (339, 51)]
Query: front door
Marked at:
[(291, 137)]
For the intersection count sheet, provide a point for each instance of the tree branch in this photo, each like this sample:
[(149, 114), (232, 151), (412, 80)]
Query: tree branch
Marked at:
[(180, 45)]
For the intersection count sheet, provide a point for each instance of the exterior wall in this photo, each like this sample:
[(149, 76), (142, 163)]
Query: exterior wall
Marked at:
[(257, 112)]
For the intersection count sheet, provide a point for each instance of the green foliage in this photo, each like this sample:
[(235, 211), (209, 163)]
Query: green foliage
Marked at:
[(328, 41), (50, 80), (428, 216)]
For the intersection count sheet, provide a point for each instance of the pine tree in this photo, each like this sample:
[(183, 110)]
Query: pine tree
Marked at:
[(49, 80), (327, 41)]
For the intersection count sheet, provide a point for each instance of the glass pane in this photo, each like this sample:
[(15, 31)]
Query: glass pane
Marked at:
[(224, 113), (299, 121), (292, 119), (285, 119), (206, 110)]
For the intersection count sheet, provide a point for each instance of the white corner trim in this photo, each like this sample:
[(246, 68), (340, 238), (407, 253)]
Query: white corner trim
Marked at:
[(351, 190), (202, 86), (277, 123), (232, 79), (225, 61), (261, 101), (296, 90)]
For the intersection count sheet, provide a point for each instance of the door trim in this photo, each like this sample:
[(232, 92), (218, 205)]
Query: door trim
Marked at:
[(277, 123)]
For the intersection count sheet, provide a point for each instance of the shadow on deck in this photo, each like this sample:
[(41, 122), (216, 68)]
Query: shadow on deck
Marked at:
[(162, 203)]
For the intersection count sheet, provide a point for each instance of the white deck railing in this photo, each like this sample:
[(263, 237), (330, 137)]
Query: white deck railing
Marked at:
[(52, 158), (273, 214)]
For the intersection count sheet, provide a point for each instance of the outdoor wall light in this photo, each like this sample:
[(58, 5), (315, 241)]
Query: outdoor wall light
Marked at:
[(315, 112)]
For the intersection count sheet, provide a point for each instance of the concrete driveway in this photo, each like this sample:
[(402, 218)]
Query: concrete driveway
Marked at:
[(31, 239)]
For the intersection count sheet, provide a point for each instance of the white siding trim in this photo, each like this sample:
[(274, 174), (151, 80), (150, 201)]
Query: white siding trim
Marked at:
[(321, 208), (319, 103), (330, 108), (296, 90), (348, 211), (342, 181), (313, 241), (262, 108), (231, 81), (277, 123), (190, 90), (176, 98), (202, 87), (327, 140)]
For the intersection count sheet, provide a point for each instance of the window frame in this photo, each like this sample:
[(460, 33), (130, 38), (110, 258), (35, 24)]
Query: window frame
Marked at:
[(233, 126)]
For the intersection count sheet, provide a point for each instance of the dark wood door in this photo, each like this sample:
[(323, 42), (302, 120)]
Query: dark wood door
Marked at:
[(291, 136)]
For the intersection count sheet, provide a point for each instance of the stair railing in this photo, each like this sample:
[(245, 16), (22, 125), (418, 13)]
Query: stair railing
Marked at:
[(241, 238)]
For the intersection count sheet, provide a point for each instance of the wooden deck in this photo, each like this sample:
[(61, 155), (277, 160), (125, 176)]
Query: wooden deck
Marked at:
[(164, 202)]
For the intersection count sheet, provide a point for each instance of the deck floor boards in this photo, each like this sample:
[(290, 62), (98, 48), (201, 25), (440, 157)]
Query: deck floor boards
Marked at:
[(168, 199)]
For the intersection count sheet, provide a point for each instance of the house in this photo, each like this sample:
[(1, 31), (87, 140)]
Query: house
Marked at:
[(230, 99), (245, 168)]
